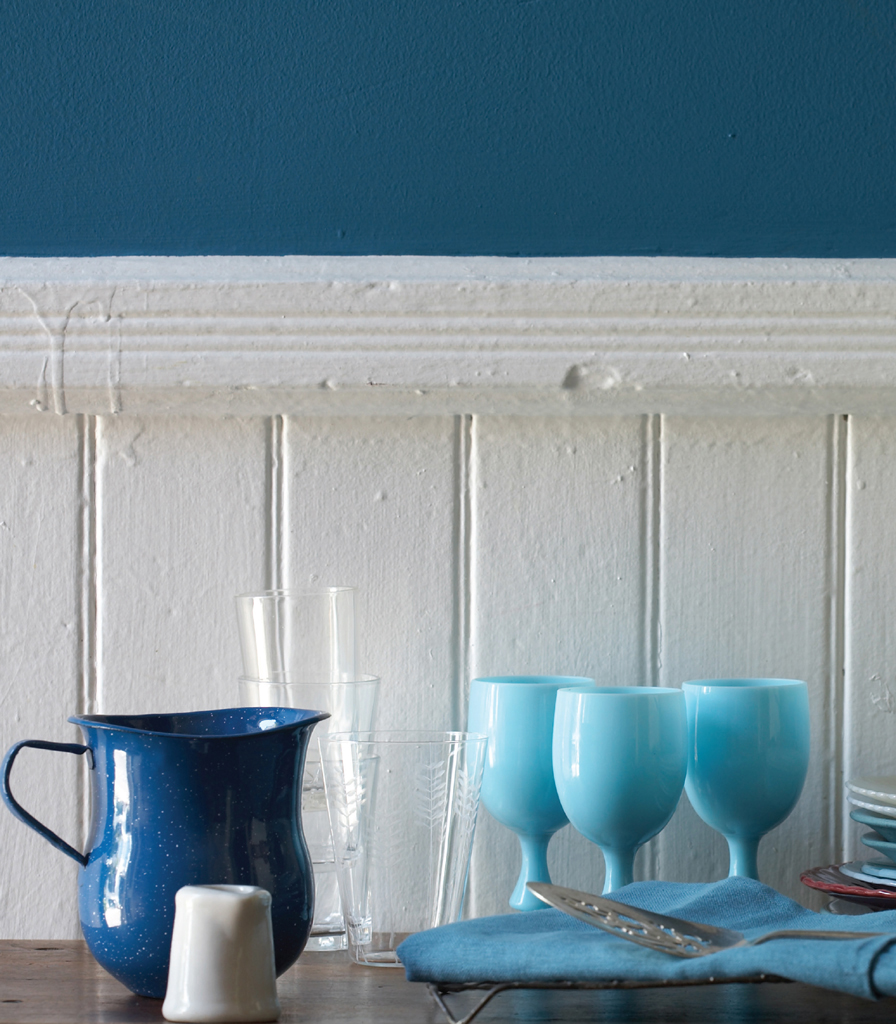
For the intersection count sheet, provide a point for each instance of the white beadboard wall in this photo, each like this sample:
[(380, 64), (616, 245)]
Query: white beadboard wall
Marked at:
[(643, 470)]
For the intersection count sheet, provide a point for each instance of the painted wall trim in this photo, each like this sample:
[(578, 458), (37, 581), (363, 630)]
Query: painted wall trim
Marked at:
[(440, 335)]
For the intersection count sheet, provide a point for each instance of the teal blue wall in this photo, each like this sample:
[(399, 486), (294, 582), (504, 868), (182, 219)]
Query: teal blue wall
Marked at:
[(552, 127)]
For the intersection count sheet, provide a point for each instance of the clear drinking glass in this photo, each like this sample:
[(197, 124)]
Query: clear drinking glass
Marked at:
[(352, 708), (299, 650), (306, 636), (402, 809)]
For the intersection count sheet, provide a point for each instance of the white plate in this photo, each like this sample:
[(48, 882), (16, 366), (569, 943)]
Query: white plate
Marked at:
[(886, 810), (881, 788)]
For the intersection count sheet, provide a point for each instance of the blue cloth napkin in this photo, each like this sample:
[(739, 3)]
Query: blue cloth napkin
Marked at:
[(549, 946)]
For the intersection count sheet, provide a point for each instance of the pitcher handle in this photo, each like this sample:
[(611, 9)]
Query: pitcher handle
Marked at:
[(16, 807)]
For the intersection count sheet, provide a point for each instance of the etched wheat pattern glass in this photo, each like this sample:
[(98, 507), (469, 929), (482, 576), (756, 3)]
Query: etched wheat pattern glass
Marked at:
[(403, 811)]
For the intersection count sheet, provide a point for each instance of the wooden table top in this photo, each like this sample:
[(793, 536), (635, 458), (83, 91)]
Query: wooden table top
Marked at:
[(60, 983)]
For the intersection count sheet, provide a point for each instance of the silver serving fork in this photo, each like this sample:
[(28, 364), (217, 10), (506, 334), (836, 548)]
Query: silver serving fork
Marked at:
[(656, 931)]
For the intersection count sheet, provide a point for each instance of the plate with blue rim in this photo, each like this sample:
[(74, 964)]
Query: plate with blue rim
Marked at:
[(882, 846), (874, 873), (885, 826)]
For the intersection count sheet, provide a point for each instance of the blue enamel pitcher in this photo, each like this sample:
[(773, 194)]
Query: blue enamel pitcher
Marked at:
[(207, 797)]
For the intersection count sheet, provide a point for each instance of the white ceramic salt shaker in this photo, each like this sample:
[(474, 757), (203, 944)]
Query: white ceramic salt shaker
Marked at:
[(222, 956)]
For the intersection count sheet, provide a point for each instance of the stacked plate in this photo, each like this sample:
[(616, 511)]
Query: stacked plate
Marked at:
[(877, 794), (874, 802), (872, 881)]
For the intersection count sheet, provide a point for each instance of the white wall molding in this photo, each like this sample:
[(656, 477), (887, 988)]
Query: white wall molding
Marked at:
[(419, 335)]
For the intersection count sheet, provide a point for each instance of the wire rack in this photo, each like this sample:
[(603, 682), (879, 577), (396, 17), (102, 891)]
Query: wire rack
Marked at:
[(442, 991)]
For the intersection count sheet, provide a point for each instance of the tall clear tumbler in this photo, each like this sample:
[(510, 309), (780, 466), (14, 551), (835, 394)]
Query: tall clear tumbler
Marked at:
[(352, 707), (298, 649), (403, 811), (298, 636)]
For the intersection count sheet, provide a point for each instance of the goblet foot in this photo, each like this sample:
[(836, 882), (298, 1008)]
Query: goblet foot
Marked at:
[(742, 857), (619, 868), (534, 869)]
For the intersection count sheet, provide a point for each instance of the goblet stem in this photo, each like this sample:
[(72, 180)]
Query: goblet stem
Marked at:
[(534, 869), (742, 857), (619, 868)]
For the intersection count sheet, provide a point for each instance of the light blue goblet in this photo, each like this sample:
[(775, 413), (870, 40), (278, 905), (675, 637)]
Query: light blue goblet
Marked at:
[(620, 761), (517, 715), (748, 753)]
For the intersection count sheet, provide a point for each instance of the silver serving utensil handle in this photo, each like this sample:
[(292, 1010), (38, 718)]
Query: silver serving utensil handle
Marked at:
[(671, 935)]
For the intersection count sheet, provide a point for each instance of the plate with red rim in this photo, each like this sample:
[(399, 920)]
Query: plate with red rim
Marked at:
[(834, 882)]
